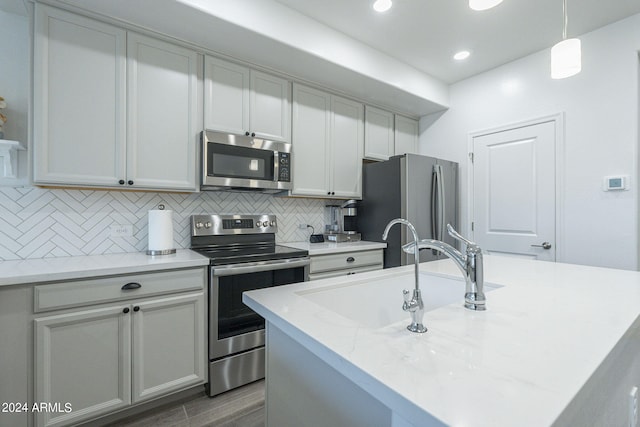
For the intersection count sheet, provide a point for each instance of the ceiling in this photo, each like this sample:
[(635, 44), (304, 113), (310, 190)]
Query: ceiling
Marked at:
[(426, 33)]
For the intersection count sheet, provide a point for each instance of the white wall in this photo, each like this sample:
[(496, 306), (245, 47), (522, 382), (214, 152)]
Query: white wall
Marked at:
[(14, 84), (601, 137)]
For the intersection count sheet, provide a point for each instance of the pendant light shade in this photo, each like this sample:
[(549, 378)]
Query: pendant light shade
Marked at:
[(483, 4), (566, 59), (382, 5), (566, 56)]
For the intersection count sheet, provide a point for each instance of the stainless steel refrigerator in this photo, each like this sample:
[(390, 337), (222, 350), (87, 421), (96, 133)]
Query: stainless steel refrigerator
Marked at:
[(420, 189)]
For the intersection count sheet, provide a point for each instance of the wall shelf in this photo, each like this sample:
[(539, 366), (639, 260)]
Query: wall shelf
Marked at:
[(9, 158)]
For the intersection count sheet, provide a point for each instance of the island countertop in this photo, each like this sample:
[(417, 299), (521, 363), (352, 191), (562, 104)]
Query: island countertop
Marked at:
[(547, 330)]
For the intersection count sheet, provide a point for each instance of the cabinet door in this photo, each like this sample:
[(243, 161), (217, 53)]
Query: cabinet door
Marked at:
[(406, 140), (378, 134), (79, 88), (83, 359), (168, 345), (347, 136), (270, 111), (226, 99), (162, 129), (311, 137)]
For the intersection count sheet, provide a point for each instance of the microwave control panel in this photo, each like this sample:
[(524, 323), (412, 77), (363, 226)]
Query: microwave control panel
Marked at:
[(284, 169)]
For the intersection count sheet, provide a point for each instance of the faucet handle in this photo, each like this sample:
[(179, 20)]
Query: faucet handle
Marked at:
[(453, 233), (406, 295)]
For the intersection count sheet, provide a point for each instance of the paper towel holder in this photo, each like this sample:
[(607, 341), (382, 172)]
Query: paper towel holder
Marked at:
[(163, 251)]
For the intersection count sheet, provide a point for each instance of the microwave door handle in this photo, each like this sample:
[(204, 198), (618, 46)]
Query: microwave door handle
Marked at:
[(276, 166)]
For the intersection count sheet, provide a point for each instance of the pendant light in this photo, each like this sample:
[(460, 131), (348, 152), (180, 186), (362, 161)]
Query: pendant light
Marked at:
[(483, 4), (382, 5), (566, 56)]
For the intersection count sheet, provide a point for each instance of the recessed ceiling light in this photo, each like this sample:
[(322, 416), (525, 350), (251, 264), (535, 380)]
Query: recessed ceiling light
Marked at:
[(483, 4), (382, 5), (463, 54)]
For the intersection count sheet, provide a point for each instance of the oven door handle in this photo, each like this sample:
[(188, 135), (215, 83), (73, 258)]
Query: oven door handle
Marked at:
[(255, 267)]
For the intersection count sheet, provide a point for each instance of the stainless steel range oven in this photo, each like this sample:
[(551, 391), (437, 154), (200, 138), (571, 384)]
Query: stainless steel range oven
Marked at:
[(243, 257)]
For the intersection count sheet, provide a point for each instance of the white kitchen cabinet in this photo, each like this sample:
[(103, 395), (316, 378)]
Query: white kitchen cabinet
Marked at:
[(162, 126), (379, 134), (99, 357), (345, 263), (244, 101), (406, 135), (328, 136), (79, 100), (112, 109), (83, 359)]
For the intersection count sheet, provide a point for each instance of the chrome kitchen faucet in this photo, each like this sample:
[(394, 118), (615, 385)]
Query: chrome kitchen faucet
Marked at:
[(469, 264), (413, 305)]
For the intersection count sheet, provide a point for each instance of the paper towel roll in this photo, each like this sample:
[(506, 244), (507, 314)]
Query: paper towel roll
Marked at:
[(160, 231)]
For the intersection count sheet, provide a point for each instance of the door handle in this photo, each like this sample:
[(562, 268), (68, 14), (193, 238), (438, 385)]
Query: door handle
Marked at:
[(544, 245)]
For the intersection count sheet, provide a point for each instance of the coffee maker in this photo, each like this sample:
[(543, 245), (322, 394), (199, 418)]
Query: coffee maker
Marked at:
[(343, 223)]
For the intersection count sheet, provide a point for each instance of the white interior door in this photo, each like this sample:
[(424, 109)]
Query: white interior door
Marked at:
[(514, 191)]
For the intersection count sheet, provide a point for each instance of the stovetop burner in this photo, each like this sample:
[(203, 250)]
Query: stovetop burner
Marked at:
[(234, 255)]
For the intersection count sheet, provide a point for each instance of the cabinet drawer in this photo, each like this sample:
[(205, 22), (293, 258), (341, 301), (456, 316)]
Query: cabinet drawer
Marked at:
[(347, 272), (347, 260), (55, 296)]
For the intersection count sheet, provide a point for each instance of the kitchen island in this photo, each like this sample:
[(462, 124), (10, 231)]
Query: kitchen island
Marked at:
[(558, 345)]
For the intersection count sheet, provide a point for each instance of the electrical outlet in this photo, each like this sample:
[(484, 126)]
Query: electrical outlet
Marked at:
[(302, 226), (633, 407), (121, 230)]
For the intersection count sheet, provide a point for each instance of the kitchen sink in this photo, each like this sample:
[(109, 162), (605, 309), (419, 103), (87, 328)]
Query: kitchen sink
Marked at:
[(377, 303)]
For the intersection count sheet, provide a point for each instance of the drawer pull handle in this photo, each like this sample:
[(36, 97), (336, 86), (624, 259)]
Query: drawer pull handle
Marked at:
[(130, 286), (351, 259)]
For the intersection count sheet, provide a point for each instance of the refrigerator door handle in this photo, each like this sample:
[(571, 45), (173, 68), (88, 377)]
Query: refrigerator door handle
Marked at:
[(441, 203), (437, 204), (434, 202)]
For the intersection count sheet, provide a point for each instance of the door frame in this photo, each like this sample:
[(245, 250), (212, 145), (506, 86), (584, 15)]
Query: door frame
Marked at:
[(560, 134)]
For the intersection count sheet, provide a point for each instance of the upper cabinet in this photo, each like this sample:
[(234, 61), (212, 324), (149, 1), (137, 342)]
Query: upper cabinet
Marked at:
[(406, 135), (379, 136), (80, 95), (114, 109), (244, 101), (162, 125), (328, 139)]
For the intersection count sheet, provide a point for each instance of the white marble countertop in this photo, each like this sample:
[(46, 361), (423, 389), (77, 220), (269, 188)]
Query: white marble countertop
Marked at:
[(521, 362), (325, 248), (77, 267)]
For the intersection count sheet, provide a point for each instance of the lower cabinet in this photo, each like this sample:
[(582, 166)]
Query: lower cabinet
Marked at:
[(93, 361), (345, 263)]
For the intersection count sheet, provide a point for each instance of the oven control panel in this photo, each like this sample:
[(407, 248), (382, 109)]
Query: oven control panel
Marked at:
[(213, 225)]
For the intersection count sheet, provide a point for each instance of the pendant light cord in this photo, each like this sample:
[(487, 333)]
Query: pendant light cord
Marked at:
[(565, 18)]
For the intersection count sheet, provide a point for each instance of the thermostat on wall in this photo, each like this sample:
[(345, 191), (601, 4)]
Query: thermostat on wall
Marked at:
[(613, 183)]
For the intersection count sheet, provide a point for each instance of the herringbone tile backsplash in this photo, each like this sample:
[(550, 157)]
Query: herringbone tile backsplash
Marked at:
[(40, 223)]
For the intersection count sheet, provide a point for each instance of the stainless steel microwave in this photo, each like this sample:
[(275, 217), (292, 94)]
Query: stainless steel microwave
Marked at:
[(239, 162)]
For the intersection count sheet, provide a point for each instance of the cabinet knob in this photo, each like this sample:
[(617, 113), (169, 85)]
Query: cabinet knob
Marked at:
[(253, 134), (130, 182), (351, 259), (333, 193), (136, 308), (246, 133), (131, 285), (125, 310), (121, 182)]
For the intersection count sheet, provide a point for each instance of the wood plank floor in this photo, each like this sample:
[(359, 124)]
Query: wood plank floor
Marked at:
[(242, 407)]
